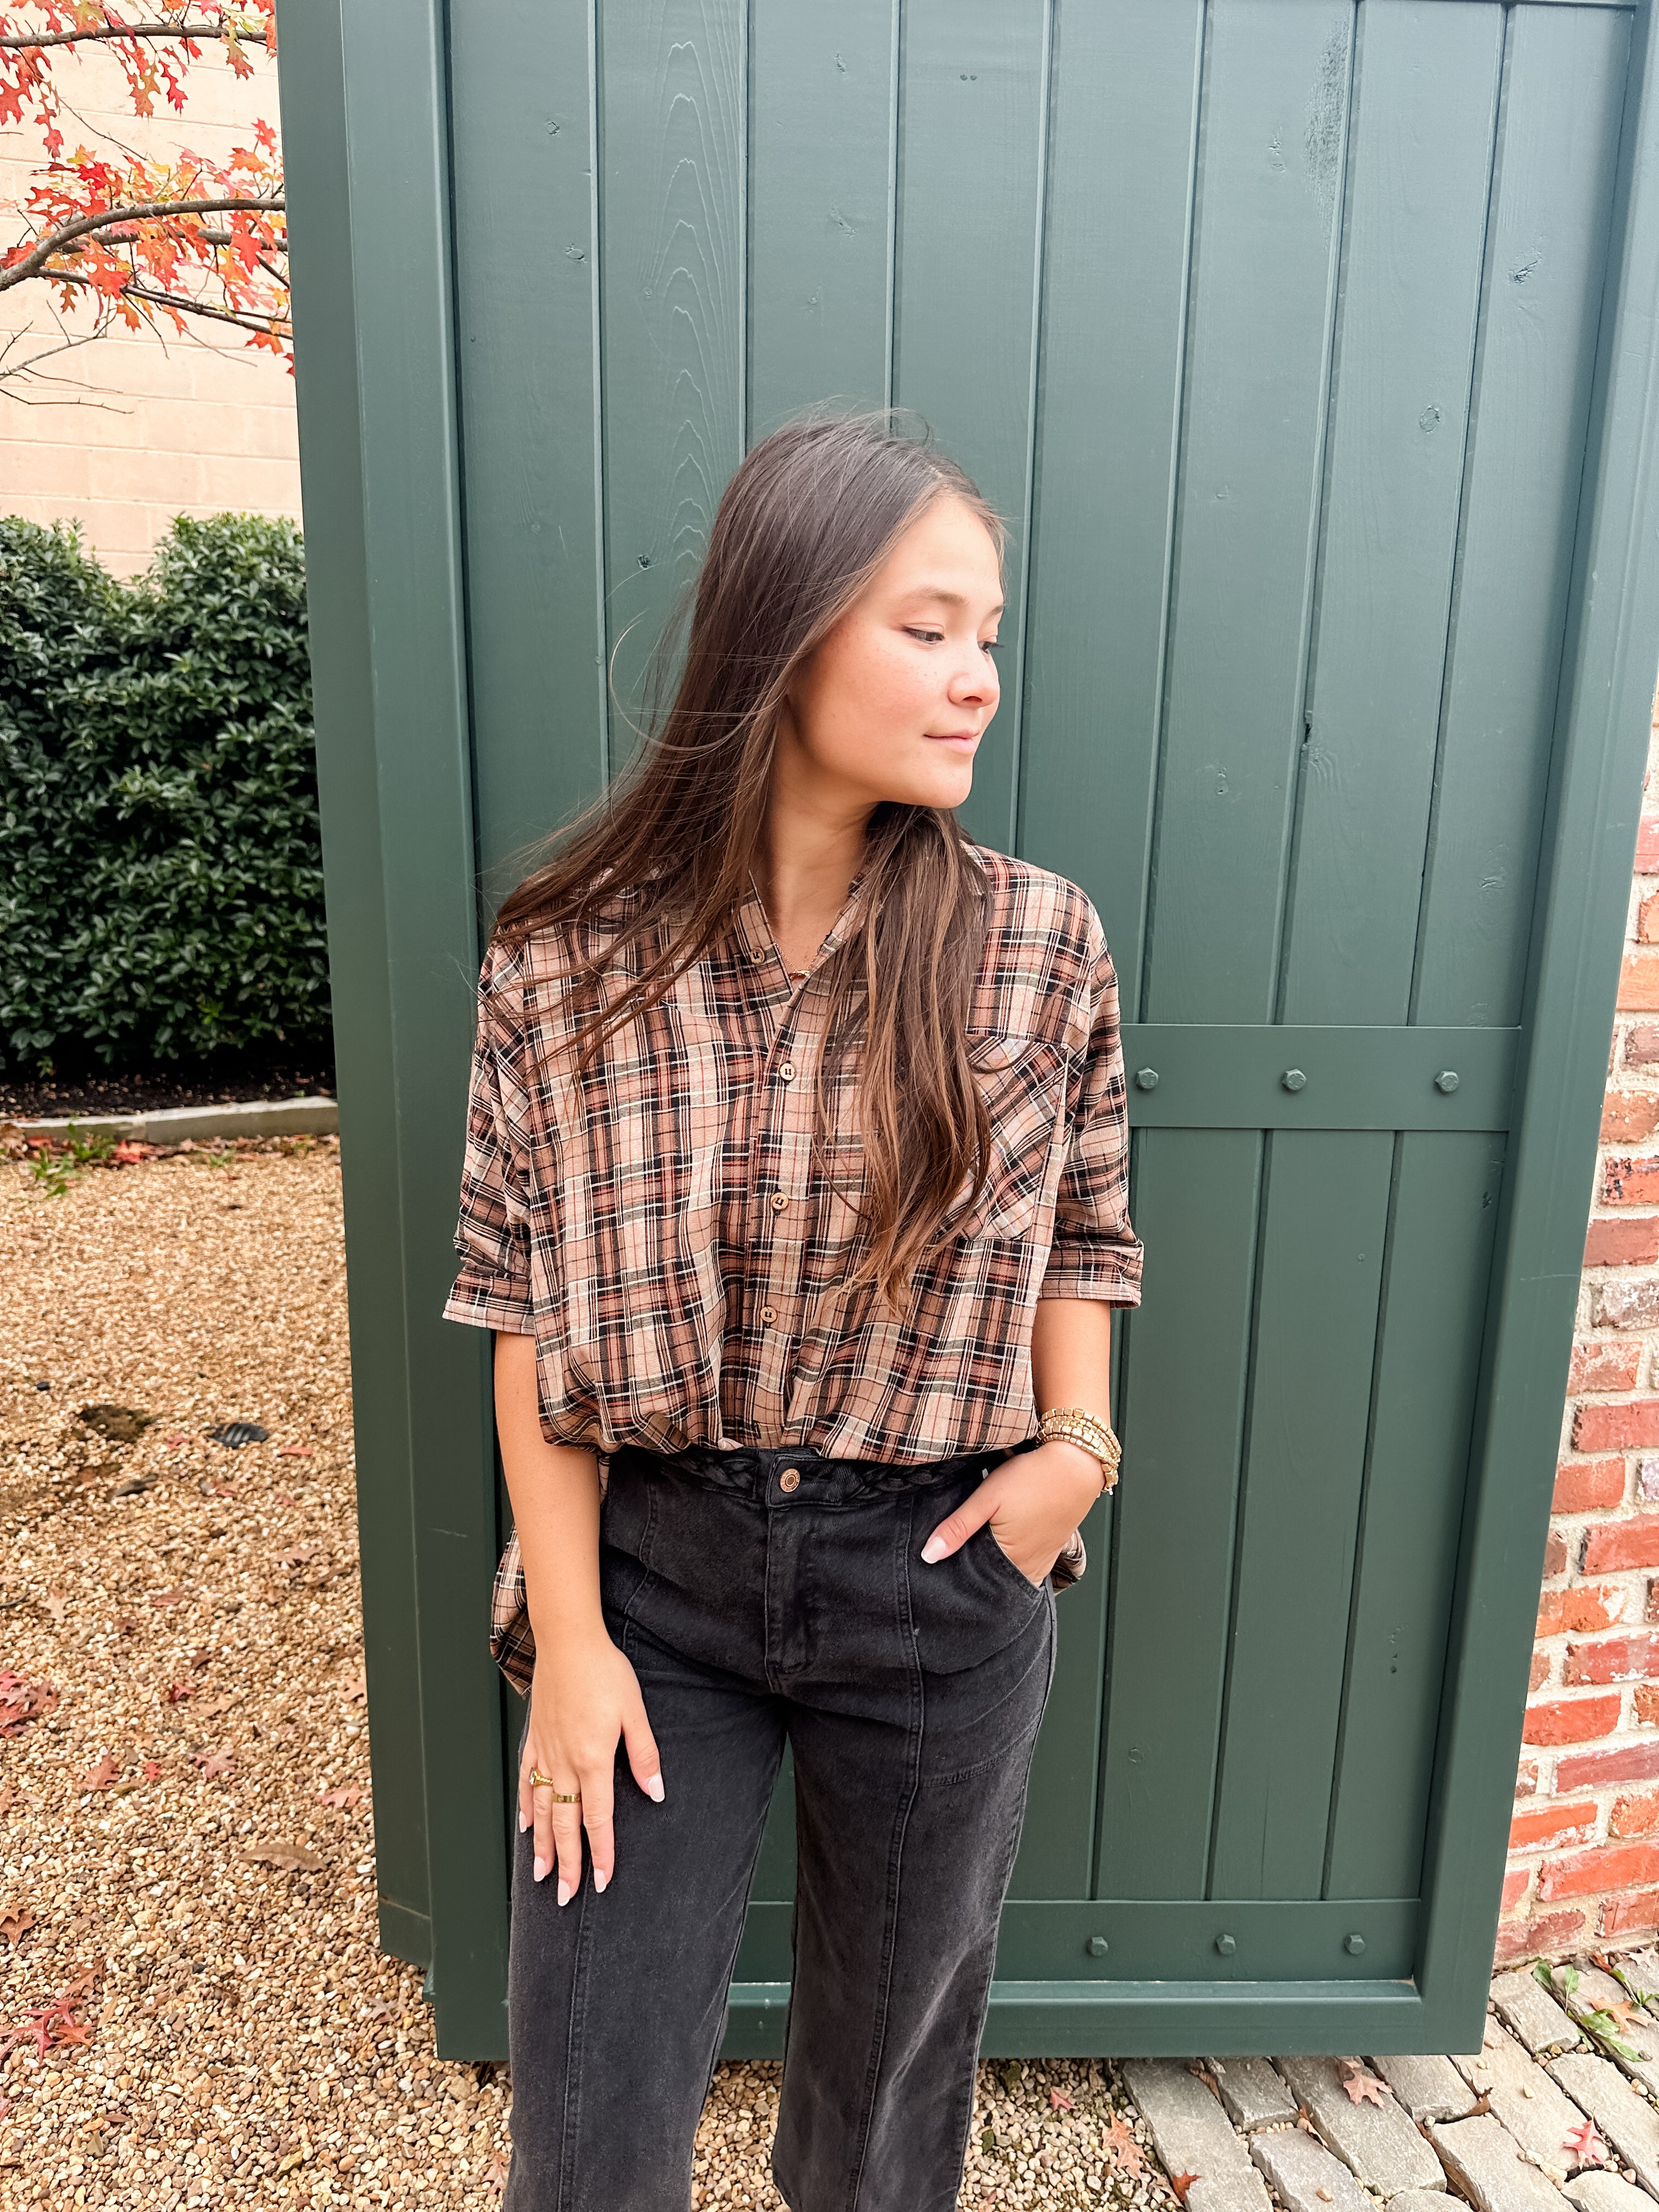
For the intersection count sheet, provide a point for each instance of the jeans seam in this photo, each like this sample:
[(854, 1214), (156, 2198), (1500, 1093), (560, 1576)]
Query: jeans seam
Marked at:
[(895, 1856)]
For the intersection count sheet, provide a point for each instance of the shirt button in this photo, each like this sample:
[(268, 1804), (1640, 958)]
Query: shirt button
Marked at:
[(786, 1073), (768, 1315), (779, 1201), (790, 1478)]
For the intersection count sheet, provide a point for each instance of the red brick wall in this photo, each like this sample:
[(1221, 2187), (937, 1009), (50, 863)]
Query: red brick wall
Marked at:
[(1584, 1846)]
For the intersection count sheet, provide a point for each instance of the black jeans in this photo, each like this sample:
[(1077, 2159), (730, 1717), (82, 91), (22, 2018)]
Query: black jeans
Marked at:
[(758, 1607)]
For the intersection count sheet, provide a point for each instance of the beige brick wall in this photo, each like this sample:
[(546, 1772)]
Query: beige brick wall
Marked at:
[(133, 430)]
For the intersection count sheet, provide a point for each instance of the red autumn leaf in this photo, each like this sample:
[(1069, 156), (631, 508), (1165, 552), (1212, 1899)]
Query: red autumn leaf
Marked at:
[(1058, 2099), (177, 1693), (1181, 2182), (1587, 2143), (100, 1776), (173, 1438), (152, 1768), (128, 1154), (21, 1702), (294, 1451), (351, 1793)]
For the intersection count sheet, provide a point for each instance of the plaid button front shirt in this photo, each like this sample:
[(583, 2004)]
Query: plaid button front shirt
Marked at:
[(662, 1224)]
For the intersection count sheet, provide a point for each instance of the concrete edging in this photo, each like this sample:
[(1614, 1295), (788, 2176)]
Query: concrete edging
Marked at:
[(257, 1117)]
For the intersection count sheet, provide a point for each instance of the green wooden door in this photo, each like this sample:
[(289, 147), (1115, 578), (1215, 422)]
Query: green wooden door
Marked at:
[(1308, 347)]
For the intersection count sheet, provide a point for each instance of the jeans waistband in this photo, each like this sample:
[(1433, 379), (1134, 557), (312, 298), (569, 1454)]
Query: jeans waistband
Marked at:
[(769, 1476)]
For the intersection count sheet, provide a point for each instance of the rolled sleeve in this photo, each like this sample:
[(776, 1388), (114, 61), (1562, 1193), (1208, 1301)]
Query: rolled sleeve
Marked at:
[(1096, 1253), (492, 1235)]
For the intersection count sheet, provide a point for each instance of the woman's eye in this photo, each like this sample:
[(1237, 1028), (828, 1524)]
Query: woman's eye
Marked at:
[(991, 644), (928, 637)]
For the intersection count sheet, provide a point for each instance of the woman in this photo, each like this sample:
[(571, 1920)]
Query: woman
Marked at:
[(795, 1188)]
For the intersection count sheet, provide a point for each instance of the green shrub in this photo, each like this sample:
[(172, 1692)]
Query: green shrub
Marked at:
[(160, 867)]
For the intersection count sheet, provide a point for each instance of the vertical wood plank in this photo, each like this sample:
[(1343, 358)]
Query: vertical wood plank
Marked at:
[(823, 89), (1123, 116), (971, 136), (1264, 276), (1172, 1533), (1426, 101), (1326, 1215), (527, 373), (1564, 87), (673, 109), (1428, 1358)]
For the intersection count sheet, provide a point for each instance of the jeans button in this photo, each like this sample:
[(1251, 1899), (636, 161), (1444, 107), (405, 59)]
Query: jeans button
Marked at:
[(790, 1478)]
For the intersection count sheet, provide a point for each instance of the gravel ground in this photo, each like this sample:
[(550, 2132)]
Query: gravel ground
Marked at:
[(192, 2007)]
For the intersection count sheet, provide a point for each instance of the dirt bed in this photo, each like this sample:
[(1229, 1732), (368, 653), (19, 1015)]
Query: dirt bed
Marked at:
[(193, 2009)]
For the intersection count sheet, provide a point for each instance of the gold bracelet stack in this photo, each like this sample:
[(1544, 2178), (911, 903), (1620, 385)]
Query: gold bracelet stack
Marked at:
[(1072, 1424)]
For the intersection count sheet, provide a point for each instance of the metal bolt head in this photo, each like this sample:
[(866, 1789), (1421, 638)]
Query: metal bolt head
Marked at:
[(1145, 1079), (1097, 1947), (1226, 1944), (1353, 1945), (1293, 1078), (1446, 1080)]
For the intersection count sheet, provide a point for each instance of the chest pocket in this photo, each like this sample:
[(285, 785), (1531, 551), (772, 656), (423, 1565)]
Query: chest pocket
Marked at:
[(1022, 1083)]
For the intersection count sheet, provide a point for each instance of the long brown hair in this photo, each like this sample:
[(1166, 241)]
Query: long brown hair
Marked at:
[(809, 517)]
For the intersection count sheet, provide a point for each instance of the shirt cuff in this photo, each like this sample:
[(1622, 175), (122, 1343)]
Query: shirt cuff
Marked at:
[(1075, 1273), (486, 1301)]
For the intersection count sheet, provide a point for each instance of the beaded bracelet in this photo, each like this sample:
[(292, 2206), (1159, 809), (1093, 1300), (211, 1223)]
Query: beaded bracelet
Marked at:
[(1072, 1424)]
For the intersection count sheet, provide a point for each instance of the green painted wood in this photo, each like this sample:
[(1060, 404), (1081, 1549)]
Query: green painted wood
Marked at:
[(822, 102), (1183, 312), (1218, 1077), (1181, 1418), (973, 107), (1425, 102), (1264, 261), (673, 134), (1434, 1301), (1123, 150), (1325, 1219), (527, 357), (1564, 83)]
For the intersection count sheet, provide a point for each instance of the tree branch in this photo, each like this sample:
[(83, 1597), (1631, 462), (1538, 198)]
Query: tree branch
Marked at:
[(182, 304), (32, 263), (125, 31)]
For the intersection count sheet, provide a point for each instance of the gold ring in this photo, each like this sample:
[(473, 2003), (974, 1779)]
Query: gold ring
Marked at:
[(540, 1781)]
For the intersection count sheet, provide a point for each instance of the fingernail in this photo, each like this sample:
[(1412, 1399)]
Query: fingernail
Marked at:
[(564, 1893), (524, 1822), (934, 1549), (599, 1878), (542, 1866), (654, 1789)]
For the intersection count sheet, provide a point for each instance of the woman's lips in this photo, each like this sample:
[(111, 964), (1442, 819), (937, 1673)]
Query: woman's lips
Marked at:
[(965, 740)]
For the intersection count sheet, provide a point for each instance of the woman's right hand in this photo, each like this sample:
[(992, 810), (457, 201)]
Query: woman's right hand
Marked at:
[(584, 1696)]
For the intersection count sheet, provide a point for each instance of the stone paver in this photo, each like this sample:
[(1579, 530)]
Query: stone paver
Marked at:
[(1606, 2192), (1525, 2101), (1532, 2013), (1639, 2033), (1641, 1970), (1253, 2093), (1378, 2141), (1192, 2135), (1627, 2120), (1430, 2089), (1305, 2176), (1485, 2160)]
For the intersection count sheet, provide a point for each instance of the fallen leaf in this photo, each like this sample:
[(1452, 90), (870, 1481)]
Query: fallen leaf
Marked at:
[(173, 1438), (21, 1702), (6, 1795), (1058, 2099), (16, 1922), (1361, 2085), (282, 1498), (214, 1764), (1181, 2182), (167, 1597), (1586, 2142), (210, 1707), (297, 1555), (294, 1451), (1480, 2107), (288, 1858), (100, 1776), (57, 1605), (1303, 2122), (1118, 2141), (176, 1693), (203, 1658), (152, 1769), (356, 1690), (351, 1793)]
